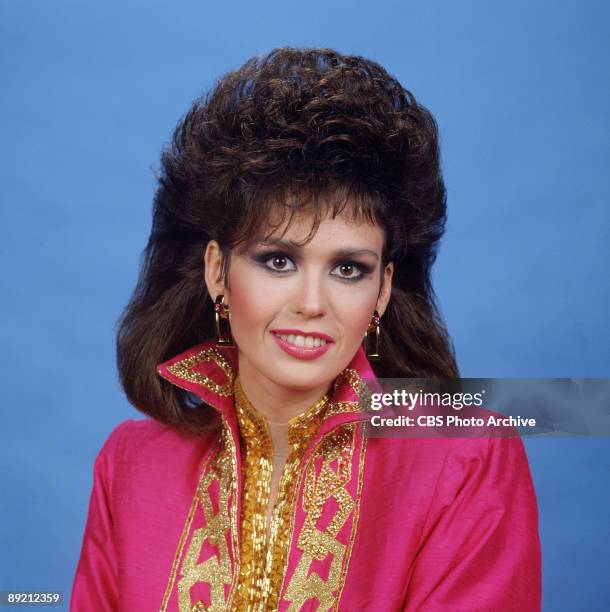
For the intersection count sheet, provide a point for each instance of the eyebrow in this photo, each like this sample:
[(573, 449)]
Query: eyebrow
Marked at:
[(290, 245)]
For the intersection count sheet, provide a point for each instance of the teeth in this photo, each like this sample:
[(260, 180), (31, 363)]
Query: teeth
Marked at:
[(303, 341)]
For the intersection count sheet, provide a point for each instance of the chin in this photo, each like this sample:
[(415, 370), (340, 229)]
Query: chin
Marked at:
[(302, 377)]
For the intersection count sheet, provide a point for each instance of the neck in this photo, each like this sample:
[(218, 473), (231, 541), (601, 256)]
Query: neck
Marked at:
[(278, 404)]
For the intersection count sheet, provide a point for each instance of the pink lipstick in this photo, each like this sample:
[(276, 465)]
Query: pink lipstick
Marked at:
[(301, 352)]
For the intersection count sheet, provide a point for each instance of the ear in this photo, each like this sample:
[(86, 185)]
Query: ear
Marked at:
[(385, 290), (212, 269)]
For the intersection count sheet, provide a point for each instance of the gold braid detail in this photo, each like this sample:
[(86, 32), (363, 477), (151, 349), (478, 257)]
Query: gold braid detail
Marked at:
[(336, 451), (262, 564), (184, 370), (217, 571)]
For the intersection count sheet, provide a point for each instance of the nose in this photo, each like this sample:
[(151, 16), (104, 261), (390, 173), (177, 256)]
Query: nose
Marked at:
[(311, 298)]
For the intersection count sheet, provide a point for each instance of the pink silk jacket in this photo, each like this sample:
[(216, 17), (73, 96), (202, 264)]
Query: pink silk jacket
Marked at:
[(378, 524)]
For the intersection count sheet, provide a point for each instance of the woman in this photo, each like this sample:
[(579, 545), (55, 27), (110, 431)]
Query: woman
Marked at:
[(295, 224)]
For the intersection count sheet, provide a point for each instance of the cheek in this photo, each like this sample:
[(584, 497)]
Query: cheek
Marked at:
[(252, 303), (355, 313)]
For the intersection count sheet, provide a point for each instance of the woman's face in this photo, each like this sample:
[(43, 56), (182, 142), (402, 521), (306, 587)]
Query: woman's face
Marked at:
[(299, 313)]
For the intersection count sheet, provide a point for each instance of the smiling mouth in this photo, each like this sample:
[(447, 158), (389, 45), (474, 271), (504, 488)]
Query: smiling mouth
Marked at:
[(302, 341)]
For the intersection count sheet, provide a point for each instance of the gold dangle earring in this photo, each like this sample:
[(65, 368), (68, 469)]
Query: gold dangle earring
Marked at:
[(372, 352), (222, 313)]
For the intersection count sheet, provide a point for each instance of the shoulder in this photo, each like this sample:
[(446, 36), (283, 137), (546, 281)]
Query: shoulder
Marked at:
[(451, 443), (450, 435), (139, 433), (148, 442), (490, 457), (140, 456)]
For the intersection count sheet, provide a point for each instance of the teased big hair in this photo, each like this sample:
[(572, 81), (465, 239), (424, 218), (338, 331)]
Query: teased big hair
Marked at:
[(292, 129)]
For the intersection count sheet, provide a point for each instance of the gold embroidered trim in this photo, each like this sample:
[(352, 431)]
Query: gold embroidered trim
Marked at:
[(230, 443), (336, 451), (360, 388), (184, 370), (219, 531), (257, 466), (349, 376), (215, 571), (301, 430), (257, 577), (352, 536), (185, 532), (262, 565)]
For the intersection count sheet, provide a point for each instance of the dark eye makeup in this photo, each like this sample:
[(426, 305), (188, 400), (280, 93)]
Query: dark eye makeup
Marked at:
[(278, 262)]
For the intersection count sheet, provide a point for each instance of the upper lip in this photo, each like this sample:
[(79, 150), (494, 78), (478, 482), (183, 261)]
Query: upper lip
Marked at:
[(299, 332)]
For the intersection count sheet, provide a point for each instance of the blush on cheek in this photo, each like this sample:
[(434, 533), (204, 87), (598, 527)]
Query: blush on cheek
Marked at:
[(356, 320), (252, 305), (362, 310)]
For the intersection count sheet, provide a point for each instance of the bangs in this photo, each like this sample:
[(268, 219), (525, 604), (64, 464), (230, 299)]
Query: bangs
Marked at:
[(271, 213)]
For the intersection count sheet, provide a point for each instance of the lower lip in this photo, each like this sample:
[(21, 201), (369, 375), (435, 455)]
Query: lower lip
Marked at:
[(301, 352)]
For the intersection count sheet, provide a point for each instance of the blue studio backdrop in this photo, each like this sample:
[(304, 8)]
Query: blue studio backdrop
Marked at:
[(92, 90)]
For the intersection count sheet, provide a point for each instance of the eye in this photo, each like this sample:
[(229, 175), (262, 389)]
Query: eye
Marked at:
[(278, 262), (348, 270)]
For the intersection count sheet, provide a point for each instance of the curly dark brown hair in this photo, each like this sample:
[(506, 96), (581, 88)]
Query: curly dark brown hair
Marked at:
[(295, 128)]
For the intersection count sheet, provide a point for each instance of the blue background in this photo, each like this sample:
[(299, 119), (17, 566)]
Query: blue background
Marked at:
[(91, 92)]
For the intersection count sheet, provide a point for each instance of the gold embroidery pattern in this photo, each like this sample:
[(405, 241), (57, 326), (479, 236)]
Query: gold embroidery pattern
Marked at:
[(219, 529), (185, 532), (349, 376), (359, 387), (215, 571), (301, 430), (184, 370), (262, 565), (336, 453), (257, 577), (352, 536), (257, 465)]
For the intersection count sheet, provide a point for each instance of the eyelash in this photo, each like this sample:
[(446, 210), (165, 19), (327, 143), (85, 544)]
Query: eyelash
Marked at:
[(363, 269)]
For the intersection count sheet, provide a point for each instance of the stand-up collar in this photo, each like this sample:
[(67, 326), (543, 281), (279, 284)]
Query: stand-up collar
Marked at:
[(209, 371)]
